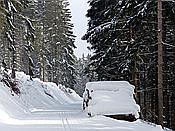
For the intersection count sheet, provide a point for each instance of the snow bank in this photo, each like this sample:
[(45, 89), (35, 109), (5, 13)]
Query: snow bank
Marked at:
[(35, 95), (41, 94), (110, 98)]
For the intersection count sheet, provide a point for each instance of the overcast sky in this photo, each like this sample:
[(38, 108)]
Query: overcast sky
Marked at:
[(79, 10)]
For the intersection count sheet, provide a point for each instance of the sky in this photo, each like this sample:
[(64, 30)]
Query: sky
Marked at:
[(79, 10)]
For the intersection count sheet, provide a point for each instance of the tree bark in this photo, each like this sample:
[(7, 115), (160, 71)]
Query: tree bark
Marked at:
[(160, 65), (13, 75), (173, 91)]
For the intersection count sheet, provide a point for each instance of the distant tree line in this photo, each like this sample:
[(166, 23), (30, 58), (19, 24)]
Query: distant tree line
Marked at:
[(82, 77), (123, 38)]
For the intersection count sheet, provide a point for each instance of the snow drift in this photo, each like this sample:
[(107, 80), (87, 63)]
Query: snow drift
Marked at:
[(35, 95)]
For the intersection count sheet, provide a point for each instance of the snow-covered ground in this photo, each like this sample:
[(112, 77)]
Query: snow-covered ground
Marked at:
[(46, 107)]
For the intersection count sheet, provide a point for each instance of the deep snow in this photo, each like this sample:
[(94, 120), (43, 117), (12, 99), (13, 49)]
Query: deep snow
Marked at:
[(44, 106), (110, 98)]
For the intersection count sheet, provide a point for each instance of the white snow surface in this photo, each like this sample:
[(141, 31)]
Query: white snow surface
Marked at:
[(110, 86), (45, 106), (111, 98)]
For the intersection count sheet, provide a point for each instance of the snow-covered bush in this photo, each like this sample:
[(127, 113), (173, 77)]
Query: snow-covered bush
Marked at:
[(110, 98)]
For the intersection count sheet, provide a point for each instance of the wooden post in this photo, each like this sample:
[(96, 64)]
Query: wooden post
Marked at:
[(160, 64)]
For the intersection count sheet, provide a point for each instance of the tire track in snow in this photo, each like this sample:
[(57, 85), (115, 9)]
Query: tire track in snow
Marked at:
[(68, 124), (65, 123), (64, 127)]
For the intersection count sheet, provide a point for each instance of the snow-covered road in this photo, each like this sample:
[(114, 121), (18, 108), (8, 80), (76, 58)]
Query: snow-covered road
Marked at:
[(69, 120)]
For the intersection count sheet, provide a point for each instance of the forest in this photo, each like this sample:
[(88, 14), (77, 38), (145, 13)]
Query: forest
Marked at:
[(134, 40), (37, 38), (131, 40)]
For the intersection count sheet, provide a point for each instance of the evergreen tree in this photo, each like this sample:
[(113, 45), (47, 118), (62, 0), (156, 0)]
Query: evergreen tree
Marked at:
[(56, 49), (123, 36), (82, 77), (13, 25)]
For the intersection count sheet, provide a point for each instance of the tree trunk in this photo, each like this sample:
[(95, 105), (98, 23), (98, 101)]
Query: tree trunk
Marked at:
[(173, 91), (160, 65), (13, 65), (13, 75)]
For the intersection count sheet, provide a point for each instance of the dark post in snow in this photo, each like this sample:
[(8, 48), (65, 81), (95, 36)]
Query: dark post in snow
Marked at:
[(160, 64)]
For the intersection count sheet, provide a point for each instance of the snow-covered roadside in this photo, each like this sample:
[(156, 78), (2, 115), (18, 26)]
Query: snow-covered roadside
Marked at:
[(80, 122), (43, 106), (36, 95)]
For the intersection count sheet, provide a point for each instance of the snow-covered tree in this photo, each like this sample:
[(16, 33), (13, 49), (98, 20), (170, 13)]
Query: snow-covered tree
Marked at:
[(12, 12), (82, 77), (123, 37), (55, 43), (12, 32)]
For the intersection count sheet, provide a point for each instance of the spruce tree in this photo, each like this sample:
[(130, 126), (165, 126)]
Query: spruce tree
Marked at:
[(123, 36)]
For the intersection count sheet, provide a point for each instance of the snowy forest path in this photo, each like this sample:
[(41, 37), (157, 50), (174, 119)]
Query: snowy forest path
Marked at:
[(70, 121)]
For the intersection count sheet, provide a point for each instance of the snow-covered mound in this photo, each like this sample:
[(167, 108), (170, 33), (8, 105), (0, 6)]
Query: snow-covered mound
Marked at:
[(35, 95), (110, 98)]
